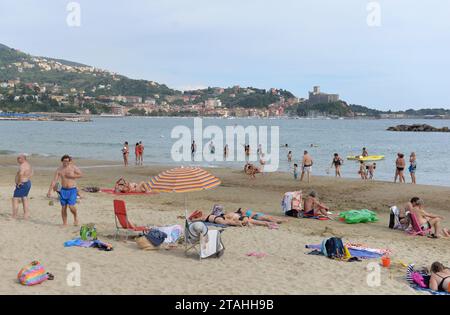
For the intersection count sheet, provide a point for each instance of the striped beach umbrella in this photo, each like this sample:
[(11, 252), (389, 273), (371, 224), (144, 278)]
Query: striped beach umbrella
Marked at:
[(183, 180)]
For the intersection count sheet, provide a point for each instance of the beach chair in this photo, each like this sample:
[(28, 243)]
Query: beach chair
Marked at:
[(203, 241), (415, 226), (121, 219)]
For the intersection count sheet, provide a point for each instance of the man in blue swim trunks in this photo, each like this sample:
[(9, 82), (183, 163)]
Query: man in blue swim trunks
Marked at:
[(23, 186), (68, 173)]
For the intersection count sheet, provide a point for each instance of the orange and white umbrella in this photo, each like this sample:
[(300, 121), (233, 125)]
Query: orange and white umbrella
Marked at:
[(183, 180)]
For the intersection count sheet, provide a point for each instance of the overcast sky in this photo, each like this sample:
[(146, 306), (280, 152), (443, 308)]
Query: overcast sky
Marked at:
[(291, 44)]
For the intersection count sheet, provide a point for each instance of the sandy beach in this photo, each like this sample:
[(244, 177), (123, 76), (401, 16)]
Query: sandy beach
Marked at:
[(286, 269)]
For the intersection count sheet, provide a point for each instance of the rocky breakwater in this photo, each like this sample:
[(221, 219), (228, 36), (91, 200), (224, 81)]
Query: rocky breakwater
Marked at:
[(418, 128)]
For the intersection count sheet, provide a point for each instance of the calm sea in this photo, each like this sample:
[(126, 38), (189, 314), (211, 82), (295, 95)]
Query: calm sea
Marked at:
[(103, 138)]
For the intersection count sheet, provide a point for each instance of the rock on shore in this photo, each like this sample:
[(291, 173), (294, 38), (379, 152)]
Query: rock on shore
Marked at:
[(418, 128)]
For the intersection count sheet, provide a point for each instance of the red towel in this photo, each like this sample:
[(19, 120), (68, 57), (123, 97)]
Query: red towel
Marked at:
[(112, 192)]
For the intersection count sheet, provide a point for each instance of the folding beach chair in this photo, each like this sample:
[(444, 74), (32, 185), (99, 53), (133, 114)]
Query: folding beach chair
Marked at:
[(121, 219), (204, 242), (415, 226)]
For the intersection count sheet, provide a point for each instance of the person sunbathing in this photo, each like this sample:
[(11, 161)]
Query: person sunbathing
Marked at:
[(216, 219), (428, 220), (440, 277), (249, 220), (122, 186), (313, 207), (259, 216)]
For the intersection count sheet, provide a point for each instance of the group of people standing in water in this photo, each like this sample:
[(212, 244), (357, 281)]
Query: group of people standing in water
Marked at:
[(138, 152), (365, 171)]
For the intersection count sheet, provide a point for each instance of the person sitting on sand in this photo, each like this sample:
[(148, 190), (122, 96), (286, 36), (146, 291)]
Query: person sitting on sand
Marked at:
[(440, 277), (122, 186), (429, 221), (251, 170), (313, 207)]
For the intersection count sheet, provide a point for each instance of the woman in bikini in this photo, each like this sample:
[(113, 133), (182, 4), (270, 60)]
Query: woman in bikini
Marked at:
[(216, 219), (259, 216), (412, 167), (440, 277), (400, 167), (122, 186), (125, 153), (337, 162)]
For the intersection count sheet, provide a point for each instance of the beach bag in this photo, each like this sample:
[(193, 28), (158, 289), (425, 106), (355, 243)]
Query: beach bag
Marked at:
[(88, 232), (32, 274), (156, 237), (333, 248), (144, 244)]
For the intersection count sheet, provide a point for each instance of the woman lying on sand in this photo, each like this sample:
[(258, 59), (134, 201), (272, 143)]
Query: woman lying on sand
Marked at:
[(440, 277), (224, 219), (122, 186), (248, 218), (259, 216)]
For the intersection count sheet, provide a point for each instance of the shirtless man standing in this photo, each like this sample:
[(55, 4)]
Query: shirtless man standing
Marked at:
[(306, 165), (68, 173), (23, 186)]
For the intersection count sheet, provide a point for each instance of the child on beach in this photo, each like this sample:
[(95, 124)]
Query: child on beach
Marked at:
[(295, 171), (371, 169), (362, 170)]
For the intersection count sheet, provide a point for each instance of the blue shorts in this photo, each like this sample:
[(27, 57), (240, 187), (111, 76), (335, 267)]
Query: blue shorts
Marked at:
[(22, 190), (68, 196)]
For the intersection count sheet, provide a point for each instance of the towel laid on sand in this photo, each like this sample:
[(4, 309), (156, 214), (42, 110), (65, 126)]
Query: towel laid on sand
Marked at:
[(78, 242), (112, 192), (360, 253)]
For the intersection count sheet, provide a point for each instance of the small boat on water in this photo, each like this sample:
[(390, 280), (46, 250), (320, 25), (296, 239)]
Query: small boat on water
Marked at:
[(365, 158)]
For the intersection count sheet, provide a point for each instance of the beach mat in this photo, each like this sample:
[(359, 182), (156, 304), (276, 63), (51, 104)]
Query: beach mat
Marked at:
[(417, 288), (363, 254), (112, 192)]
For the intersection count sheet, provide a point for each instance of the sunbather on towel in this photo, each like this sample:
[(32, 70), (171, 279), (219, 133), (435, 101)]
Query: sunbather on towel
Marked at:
[(218, 219), (249, 220), (313, 207), (122, 186), (259, 216), (429, 220), (440, 277)]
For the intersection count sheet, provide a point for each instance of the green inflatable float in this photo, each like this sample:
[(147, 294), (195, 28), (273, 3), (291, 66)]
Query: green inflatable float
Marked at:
[(358, 216)]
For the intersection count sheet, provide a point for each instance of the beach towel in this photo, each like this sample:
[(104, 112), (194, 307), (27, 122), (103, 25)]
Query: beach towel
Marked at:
[(112, 192), (173, 233), (303, 216), (353, 252), (78, 242), (216, 225), (211, 245)]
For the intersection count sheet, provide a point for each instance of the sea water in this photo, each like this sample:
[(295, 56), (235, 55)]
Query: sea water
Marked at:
[(103, 139)]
